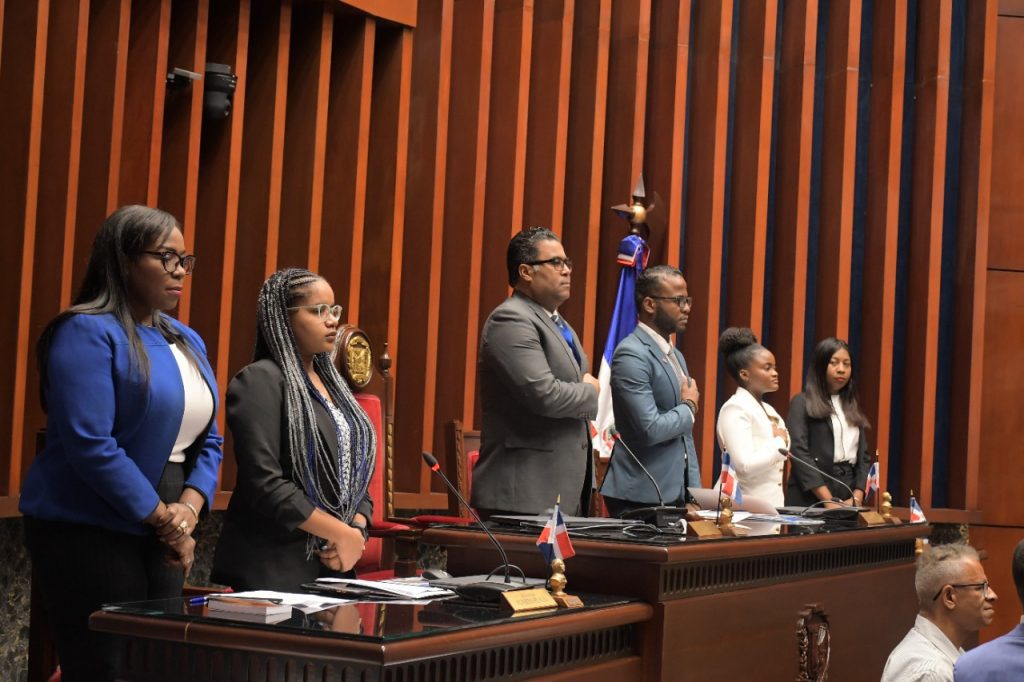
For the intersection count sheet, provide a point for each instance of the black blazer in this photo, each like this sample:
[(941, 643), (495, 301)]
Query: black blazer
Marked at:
[(260, 546), (812, 441)]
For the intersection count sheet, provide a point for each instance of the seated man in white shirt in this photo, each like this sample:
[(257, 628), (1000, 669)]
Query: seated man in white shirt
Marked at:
[(955, 600)]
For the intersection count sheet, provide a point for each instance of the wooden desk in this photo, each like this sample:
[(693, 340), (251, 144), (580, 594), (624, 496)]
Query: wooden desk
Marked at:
[(167, 640), (728, 608)]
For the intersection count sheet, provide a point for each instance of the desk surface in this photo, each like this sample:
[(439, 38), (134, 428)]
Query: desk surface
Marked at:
[(169, 640)]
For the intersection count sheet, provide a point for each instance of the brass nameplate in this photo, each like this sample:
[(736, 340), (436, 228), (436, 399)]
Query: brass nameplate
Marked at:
[(533, 599), (870, 518), (703, 529)]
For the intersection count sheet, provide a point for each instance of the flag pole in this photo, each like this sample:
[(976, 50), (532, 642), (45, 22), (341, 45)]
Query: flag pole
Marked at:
[(878, 490)]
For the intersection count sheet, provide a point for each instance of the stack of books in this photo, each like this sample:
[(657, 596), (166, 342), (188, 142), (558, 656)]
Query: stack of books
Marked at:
[(248, 609)]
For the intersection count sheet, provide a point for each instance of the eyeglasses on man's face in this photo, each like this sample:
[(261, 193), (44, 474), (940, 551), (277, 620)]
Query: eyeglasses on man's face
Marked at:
[(557, 263), (171, 260), (982, 587), (681, 301), (323, 310)]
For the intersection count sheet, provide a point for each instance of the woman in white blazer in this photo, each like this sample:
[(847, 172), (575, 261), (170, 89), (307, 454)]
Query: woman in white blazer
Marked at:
[(749, 429)]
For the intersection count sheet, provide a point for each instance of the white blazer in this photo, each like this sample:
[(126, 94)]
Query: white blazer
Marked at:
[(745, 432)]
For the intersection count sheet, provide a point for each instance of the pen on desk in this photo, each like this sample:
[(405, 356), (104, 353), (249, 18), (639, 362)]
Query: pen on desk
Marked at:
[(198, 601)]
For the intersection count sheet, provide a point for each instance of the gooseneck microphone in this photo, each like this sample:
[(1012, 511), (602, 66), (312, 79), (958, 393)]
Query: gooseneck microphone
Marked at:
[(481, 589), (793, 458), (660, 516)]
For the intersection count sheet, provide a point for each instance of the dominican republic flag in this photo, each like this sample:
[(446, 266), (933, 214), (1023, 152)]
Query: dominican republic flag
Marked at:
[(872, 483), (554, 539), (916, 514), (728, 482), (633, 255)]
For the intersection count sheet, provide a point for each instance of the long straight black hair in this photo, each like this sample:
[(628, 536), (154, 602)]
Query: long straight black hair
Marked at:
[(816, 393), (121, 240)]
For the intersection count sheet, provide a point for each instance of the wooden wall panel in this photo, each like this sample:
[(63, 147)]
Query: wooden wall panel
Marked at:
[(145, 88), (751, 163), (179, 155), (466, 180), (546, 146), (784, 328), (704, 208), (24, 46), (347, 146), (972, 251), (1005, 247), (395, 147), (585, 150), (628, 58), (666, 124), (511, 60), (931, 85), (875, 364), (839, 138), (424, 223)]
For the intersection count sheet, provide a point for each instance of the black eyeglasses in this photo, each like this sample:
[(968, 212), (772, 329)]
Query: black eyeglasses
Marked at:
[(322, 310), (556, 263), (171, 260), (983, 587), (681, 301)]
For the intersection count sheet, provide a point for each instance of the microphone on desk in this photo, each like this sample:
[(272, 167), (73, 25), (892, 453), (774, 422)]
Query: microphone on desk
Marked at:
[(789, 455), (483, 589), (660, 516)]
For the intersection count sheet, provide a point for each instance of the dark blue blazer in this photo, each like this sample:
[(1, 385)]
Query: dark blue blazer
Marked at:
[(654, 422), (1001, 660), (109, 432)]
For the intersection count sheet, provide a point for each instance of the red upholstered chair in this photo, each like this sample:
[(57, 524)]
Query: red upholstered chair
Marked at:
[(392, 547)]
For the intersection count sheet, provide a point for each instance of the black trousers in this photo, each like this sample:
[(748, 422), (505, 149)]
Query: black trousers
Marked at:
[(79, 568)]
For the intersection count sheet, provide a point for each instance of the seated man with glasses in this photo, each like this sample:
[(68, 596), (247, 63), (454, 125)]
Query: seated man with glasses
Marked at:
[(1003, 657), (955, 601)]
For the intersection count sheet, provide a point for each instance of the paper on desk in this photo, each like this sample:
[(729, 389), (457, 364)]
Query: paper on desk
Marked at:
[(307, 603), (409, 589)]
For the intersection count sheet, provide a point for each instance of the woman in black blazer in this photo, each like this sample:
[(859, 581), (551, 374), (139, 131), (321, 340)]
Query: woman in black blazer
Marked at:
[(827, 429), (304, 447)]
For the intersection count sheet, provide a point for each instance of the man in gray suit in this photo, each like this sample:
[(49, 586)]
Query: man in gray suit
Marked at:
[(654, 400), (536, 393)]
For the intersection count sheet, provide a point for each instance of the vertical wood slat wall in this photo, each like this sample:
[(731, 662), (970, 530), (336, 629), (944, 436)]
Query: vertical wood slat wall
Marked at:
[(802, 148)]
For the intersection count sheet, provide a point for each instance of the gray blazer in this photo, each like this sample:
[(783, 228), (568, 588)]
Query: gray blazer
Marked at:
[(535, 439), (653, 422)]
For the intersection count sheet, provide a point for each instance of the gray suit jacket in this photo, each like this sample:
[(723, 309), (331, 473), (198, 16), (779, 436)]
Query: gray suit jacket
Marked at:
[(653, 422), (535, 440)]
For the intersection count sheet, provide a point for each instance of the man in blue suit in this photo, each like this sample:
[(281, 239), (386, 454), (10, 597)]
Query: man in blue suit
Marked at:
[(1003, 657), (655, 401)]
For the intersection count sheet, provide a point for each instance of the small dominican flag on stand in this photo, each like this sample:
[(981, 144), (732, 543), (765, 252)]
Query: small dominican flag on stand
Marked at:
[(916, 515), (730, 485), (872, 483), (554, 539)]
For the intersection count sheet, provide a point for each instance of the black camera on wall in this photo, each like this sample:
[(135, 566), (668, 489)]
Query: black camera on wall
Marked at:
[(218, 89)]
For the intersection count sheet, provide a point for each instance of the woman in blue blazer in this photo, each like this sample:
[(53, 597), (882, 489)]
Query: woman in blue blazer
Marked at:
[(132, 450)]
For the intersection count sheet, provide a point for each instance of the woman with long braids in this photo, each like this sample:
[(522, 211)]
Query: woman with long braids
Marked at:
[(828, 431), (132, 449), (750, 429), (304, 446)]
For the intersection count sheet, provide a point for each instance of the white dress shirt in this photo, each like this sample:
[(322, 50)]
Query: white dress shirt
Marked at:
[(745, 432), (846, 436), (925, 654)]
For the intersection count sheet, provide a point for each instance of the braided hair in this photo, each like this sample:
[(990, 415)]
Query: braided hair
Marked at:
[(335, 485)]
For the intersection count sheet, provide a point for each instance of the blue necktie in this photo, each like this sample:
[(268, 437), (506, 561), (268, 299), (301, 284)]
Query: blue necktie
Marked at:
[(567, 335)]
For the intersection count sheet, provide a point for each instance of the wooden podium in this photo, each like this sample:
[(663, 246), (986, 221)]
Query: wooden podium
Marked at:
[(730, 608)]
